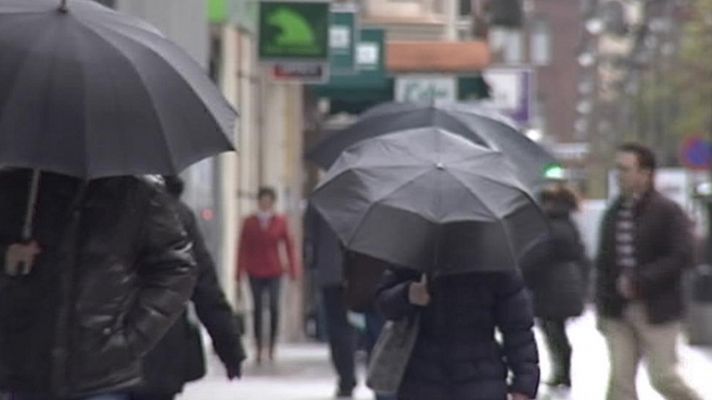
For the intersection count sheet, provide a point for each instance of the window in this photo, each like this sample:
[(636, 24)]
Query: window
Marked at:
[(540, 42), (508, 44), (465, 8)]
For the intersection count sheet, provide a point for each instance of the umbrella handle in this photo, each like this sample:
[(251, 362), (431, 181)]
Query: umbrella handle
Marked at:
[(31, 205)]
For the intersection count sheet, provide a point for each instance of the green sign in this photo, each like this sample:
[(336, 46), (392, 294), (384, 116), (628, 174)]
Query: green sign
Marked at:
[(371, 54), (294, 30), (218, 11), (343, 37), (370, 58)]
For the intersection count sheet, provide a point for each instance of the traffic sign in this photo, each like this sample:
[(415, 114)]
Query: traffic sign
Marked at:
[(696, 153)]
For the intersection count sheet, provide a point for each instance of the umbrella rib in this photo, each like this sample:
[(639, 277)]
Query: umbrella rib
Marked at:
[(471, 138), (378, 201), (163, 59), (520, 188), (168, 153), (499, 220)]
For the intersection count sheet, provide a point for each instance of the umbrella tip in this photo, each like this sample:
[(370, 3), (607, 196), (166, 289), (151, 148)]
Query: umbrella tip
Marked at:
[(63, 8), (440, 166)]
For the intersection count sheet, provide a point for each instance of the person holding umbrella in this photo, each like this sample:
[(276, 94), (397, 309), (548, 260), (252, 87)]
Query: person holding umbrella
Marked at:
[(96, 265), (178, 358), (456, 356), (108, 270), (459, 220)]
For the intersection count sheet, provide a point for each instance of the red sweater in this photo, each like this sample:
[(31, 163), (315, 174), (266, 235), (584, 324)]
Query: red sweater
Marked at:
[(258, 254)]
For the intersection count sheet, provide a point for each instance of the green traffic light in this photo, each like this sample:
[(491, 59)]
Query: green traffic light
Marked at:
[(554, 171)]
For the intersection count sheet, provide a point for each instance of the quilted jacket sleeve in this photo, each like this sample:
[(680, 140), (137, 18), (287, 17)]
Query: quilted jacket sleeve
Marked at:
[(515, 320), (167, 274)]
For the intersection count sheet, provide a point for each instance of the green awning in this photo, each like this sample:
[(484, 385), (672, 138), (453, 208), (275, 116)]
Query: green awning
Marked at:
[(353, 98)]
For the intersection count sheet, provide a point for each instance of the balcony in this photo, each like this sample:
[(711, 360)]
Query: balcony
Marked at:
[(407, 19)]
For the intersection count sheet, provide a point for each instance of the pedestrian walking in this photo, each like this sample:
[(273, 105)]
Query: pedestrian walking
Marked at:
[(456, 355), (363, 275), (556, 274), (178, 358), (106, 273), (264, 234), (404, 194), (646, 245), (324, 257)]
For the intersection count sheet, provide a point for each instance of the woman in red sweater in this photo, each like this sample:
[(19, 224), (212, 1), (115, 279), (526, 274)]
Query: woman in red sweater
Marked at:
[(263, 233)]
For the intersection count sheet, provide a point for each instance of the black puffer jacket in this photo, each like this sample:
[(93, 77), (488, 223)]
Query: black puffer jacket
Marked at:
[(167, 367), (109, 282), (456, 356), (557, 270)]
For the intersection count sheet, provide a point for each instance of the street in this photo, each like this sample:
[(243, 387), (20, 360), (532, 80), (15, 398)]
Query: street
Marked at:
[(303, 372)]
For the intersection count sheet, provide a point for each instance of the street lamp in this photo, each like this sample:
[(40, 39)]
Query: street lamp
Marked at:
[(584, 107), (595, 26), (586, 59)]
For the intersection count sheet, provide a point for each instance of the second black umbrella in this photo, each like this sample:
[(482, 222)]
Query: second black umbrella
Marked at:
[(427, 199)]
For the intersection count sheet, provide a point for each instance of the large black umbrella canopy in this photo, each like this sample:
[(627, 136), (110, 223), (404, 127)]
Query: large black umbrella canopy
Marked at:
[(426, 199), (476, 123), (89, 92)]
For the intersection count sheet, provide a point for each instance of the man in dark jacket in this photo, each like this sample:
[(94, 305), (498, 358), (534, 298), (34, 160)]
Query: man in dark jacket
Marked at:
[(178, 358), (324, 257), (108, 271), (646, 244)]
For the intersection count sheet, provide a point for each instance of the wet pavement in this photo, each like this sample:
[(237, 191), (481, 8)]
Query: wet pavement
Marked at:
[(303, 372)]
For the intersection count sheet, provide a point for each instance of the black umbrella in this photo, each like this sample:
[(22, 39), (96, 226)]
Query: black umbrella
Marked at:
[(477, 124), (428, 197), (89, 92)]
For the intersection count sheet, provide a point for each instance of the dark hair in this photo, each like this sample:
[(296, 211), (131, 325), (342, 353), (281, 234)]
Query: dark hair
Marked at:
[(174, 185), (266, 191), (645, 156), (562, 195)]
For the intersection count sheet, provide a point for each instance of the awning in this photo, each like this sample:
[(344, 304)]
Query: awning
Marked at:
[(436, 56)]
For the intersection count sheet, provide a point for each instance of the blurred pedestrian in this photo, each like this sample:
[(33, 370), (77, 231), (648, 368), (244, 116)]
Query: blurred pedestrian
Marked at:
[(108, 271), (363, 276), (178, 358), (555, 271), (324, 257), (456, 355), (263, 236), (646, 245)]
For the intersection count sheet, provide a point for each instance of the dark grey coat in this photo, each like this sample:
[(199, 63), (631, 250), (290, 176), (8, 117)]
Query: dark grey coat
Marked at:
[(322, 250), (456, 356), (556, 270)]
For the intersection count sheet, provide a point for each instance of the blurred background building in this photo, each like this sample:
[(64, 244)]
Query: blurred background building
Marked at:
[(579, 76)]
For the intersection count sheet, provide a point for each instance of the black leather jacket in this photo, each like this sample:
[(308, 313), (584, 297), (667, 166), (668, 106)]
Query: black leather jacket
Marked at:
[(114, 273)]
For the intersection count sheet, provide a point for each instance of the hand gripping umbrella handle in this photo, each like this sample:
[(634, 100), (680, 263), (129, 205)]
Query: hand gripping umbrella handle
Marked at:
[(24, 268)]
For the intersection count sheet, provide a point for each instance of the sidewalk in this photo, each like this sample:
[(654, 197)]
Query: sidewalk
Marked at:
[(303, 372)]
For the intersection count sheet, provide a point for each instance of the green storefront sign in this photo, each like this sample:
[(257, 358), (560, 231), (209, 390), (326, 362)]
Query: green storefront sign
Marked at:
[(343, 38), (218, 11), (294, 31)]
